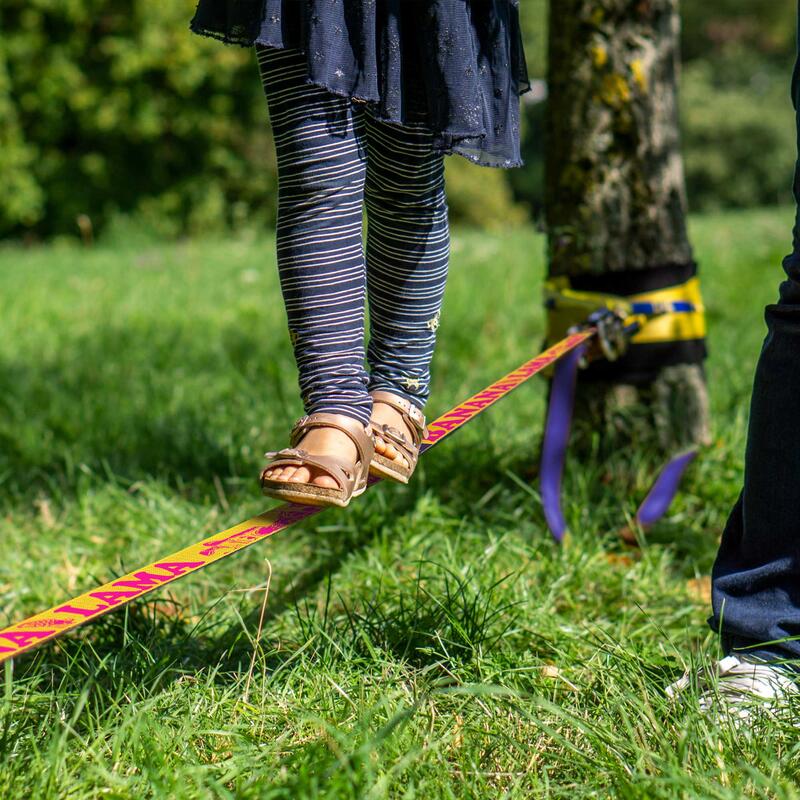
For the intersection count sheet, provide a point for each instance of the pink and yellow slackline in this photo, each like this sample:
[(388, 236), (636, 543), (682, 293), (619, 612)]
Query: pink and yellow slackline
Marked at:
[(54, 622)]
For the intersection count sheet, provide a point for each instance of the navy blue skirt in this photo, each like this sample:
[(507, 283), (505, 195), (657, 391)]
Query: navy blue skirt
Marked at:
[(458, 66)]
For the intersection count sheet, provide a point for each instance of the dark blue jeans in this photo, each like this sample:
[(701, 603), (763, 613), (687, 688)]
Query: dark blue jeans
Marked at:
[(756, 578)]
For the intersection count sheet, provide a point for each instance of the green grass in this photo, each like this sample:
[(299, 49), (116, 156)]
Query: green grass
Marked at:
[(429, 642)]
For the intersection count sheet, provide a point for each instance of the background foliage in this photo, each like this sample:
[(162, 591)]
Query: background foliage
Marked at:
[(739, 139), (112, 110), (117, 108), (736, 116)]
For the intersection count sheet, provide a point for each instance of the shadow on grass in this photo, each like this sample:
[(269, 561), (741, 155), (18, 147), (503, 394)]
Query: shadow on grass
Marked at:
[(177, 404), (171, 401), (438, 622), (229, 649), (183, 405)]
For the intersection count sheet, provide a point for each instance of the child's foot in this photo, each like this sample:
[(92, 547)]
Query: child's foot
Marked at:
[(326, 464), (398, 428), (317, 442)]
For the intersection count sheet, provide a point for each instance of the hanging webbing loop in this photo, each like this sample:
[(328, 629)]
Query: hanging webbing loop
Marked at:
[(554, 454), (672, 314)]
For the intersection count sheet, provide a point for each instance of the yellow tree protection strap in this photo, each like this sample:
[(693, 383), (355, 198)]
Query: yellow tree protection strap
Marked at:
[(676, 313)]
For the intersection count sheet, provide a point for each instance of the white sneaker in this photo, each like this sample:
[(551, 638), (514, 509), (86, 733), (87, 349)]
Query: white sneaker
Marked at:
[(738, 688)]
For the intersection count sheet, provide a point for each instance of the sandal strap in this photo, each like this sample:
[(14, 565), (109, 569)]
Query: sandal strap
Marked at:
[(358, 434), (343, 472), (410, 450), (412, 415)]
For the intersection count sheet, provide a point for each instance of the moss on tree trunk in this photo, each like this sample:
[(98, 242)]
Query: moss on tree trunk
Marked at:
[(616, 198)]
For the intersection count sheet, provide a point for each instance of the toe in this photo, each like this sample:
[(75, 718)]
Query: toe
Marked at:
[(325, 481), (390, 452), (298, 475), (380, 446)]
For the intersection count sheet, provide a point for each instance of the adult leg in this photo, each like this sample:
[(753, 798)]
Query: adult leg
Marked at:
[(321, 168), (408, 250), (756, 578)]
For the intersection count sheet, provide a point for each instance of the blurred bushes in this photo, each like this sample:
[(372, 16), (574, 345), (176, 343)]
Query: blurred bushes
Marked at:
[(481, 196), (737, 119), (737, 122), (738, 140), (112, 109)]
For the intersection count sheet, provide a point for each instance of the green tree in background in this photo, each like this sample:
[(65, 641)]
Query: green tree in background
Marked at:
[(109, 107), (761, 29), (112, 108), (738, 127)]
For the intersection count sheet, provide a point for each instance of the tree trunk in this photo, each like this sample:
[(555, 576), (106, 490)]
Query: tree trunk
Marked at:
[(616, 199)]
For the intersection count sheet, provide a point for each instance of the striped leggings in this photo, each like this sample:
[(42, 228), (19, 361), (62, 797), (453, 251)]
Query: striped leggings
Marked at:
[(335, 158)]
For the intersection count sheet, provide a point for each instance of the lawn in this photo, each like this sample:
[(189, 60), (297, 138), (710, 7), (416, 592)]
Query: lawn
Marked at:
[(431, 641)]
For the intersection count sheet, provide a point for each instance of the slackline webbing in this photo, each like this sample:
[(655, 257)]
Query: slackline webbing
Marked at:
[(48, 625)]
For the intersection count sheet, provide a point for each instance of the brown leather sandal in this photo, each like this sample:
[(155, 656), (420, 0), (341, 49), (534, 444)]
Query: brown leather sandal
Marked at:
[(415, 420), (351, 477)]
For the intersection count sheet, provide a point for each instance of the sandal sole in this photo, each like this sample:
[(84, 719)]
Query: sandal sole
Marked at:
[(308, 495), (384, 468)]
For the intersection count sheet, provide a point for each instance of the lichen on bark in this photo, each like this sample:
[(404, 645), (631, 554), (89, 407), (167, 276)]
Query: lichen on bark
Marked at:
[(615, 189), (616, 195)]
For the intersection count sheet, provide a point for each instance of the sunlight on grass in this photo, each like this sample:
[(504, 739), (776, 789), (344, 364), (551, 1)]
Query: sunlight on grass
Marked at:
[(429, 642)]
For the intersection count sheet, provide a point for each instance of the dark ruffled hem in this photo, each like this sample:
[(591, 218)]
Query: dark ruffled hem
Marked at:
[(220, 36), (448, 143), (412, 61)]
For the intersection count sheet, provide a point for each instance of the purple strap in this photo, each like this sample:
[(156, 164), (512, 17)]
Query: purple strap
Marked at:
[(660, 497), (554, 454), (556, 439)]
